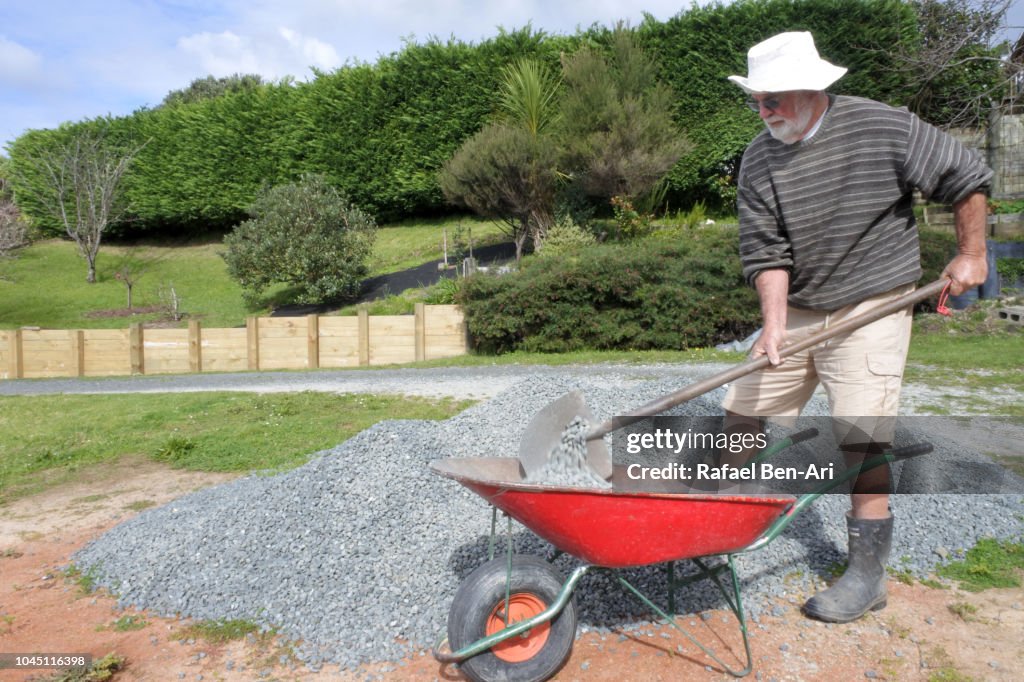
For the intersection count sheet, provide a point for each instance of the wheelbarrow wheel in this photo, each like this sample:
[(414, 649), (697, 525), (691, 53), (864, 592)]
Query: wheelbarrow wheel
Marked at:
[(478, 611)]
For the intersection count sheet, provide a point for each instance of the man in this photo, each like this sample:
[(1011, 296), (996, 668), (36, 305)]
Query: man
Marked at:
[(827, 232)]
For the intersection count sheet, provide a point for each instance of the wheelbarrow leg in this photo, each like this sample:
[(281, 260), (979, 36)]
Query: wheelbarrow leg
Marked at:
[(734, 600)]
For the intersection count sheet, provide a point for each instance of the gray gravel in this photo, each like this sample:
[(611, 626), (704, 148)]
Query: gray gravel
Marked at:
[(363, 547)]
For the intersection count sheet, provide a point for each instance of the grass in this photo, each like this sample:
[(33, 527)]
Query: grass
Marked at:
[(972, 351), (128, 623), (100, 671), (85, 580), (966, 611), (45, 285), (989, 564), (414, 242), (227, 432), (218, 631)]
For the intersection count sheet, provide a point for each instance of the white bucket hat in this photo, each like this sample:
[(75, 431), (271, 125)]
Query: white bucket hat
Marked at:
[(788, 61)]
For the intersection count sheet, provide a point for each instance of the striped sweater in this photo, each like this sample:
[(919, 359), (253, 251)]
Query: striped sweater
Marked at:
[(836, 210)]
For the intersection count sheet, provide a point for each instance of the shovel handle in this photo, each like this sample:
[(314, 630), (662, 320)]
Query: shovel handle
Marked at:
[(701, 387)]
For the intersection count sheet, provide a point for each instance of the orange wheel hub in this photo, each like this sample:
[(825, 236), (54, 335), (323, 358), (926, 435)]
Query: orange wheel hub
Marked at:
[(523, 647)]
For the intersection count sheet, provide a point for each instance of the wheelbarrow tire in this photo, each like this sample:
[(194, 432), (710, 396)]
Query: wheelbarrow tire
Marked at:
[(475, 613)]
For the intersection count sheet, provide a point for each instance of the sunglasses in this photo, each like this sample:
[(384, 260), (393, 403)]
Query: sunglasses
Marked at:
[(769, 103)]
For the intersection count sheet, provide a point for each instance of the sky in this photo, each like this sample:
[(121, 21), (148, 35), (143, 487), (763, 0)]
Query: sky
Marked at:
[(66, 60)]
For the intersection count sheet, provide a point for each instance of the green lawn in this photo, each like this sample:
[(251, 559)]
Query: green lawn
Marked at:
[(45, 285), (410, 243), (45, 440), (971, 351)]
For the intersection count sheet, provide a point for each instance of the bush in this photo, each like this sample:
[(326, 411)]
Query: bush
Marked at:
[(685, 291), (652, 294), (564, 238), (305, 234)]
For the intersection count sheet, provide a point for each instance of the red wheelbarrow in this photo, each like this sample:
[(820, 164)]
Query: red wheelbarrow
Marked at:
[(514, 618)]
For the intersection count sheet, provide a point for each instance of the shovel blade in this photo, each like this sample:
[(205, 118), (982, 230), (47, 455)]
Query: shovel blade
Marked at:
[(544, 433)]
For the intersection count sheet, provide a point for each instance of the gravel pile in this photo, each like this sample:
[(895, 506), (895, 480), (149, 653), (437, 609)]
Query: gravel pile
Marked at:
[(363, 548)]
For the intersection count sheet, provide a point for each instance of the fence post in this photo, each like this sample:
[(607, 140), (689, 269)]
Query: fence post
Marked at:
[(136, 349), (17, 362), (364, 337), (195, 346), (313, 341), (420, 328), (252, 341), (76, 365)]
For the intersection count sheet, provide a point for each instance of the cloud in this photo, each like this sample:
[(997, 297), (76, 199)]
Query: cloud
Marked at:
[(221, 54), (19, 66), (316, 52), (284, 52)]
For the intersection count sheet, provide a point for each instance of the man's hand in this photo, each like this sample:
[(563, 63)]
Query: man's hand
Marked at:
[(966, 272), (769, 343)]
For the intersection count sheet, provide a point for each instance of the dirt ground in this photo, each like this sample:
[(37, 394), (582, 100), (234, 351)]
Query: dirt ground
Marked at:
[(923, 634)]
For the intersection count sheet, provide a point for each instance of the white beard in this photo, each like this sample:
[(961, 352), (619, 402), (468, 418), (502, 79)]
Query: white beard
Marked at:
[(790, 130)]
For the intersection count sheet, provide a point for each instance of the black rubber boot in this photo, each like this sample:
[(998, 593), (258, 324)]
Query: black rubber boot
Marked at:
[(862, 586)]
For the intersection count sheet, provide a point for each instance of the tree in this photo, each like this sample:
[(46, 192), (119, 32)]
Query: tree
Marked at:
[(305, 234), (954, 72), (13, 231), (80, 177), (210, 87), (508, 170), (133, 263), (617, 128), (503, 172)]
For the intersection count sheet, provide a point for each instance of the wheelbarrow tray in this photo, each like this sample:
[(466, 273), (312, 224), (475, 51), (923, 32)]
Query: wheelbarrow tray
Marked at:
[(619, 529)]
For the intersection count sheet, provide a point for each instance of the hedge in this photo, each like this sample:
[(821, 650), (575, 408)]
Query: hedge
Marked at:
[(379, 132), (654, 294)]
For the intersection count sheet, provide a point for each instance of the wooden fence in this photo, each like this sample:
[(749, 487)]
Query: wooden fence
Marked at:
[(435, 331)]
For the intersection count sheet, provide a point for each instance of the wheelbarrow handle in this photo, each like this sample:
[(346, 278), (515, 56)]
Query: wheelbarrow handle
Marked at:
[(701, 387), (908, 451), (888, 457)]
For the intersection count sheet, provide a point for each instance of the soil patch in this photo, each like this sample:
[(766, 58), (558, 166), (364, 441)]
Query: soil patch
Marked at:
[(923, 634), (166, 320)]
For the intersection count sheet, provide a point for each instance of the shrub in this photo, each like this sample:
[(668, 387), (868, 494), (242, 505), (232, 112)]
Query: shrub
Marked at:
[(684, 291), (304, 234), (565, 237), (653, 294), (442, 293)]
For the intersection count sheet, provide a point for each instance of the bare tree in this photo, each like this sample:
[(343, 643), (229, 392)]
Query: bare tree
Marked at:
[(13, 233), (132, 264), (956, 72), (82, 176), (13, 230)]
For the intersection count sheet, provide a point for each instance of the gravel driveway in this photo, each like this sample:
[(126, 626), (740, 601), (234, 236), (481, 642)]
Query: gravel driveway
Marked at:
[(457, 382)]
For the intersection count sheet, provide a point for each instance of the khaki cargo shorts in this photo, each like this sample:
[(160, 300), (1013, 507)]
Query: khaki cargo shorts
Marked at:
[(861, 372)]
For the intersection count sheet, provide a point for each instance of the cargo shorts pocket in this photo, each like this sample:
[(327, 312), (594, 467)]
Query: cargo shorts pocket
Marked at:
[(883, 383), (885, 364)]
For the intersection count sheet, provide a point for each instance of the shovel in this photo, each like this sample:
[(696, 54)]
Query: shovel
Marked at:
[(544, 431)]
